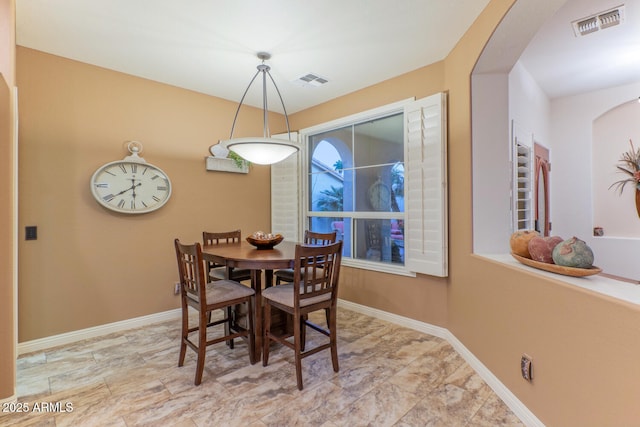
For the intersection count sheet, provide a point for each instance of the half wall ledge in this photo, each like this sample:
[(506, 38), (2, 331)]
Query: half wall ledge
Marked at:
[(617, 289)]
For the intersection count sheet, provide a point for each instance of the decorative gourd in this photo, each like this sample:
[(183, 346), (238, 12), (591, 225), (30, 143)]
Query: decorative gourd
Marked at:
[(519, 242), (541, 248), (573, 253)]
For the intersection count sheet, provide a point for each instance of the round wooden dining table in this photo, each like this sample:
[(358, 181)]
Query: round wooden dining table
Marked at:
[(246, 256)]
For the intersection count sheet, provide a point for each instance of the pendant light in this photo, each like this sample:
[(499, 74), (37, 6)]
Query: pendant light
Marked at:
[(262, 150)]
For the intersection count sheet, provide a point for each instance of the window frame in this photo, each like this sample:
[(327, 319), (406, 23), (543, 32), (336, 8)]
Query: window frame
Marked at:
[(425, 187), (306, 213)]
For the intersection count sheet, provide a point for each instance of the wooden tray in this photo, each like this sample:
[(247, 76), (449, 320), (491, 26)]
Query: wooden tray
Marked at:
[(265, 244), (560, 269)]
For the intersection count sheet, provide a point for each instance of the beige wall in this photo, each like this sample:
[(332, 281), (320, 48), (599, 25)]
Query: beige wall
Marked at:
[(87, 261), (91, 266), (7, 338), (7, 195)]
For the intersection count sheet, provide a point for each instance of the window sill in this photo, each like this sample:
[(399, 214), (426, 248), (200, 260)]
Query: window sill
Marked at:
[(377, 266), (617, 289)]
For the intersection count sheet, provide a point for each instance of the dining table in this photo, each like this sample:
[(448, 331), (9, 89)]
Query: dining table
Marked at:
[(259, 260)]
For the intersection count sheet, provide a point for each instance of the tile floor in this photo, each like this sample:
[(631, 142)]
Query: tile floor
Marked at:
[(389, 376)]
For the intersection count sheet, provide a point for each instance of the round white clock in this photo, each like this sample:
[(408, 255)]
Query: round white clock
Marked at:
[(131, 186)]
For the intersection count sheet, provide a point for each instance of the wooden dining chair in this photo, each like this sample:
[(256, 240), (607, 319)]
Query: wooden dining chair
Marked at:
[(217, 271), (310, 238), (205, 297), (314, 287)]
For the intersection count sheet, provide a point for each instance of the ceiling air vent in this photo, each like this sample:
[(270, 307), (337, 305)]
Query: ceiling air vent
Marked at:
[(600, 21), (311, 79)]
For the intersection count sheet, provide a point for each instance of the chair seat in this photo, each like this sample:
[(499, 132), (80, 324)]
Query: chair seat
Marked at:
[(225, 290), (283, 294), (236, 274)]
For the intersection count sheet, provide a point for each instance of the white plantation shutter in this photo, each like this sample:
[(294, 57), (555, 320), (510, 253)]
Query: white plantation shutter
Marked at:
[(285, 194), (426, 245), (523, 202)]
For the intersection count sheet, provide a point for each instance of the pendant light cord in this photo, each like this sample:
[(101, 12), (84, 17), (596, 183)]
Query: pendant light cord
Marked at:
[(233, 126), (264, 69)]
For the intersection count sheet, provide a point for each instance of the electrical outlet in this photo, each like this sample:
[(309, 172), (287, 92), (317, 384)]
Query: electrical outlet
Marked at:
[(526, 367), (176, 288)]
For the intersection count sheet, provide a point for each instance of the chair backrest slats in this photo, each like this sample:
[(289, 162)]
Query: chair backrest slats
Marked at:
[(318, 268), (215, 238), (316, 238), (191, 270)]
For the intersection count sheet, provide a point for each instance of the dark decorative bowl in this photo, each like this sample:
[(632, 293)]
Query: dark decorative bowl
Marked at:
[(265, 243)]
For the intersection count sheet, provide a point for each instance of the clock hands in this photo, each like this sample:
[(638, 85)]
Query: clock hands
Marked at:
[(133, 187)]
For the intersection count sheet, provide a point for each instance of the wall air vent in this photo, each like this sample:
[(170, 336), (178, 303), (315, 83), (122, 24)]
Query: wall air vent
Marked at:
[(600, 21), (311, 79)]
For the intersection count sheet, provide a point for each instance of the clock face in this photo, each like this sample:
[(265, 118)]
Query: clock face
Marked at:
[(380, 196), (130, 187)]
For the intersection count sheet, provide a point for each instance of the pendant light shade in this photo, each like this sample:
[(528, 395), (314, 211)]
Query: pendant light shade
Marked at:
[(262, 150)]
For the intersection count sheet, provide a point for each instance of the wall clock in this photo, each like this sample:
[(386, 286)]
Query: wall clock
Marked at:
[(131, 185), (380, 196)]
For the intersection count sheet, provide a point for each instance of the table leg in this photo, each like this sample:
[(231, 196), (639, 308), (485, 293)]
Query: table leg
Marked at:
[(268, 278), (256, 284), (227, 326)]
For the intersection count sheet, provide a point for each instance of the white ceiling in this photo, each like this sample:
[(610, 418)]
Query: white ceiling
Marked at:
[(210, 46), (564, 64)]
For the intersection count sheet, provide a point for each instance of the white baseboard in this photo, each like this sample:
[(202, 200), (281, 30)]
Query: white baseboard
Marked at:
[(69, 337), (518, 408), (10, 399)]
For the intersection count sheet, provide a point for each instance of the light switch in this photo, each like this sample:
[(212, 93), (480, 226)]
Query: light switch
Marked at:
[(31, 232)]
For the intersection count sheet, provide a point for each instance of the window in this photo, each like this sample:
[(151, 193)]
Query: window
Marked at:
[(377, 178), (350, 187)]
